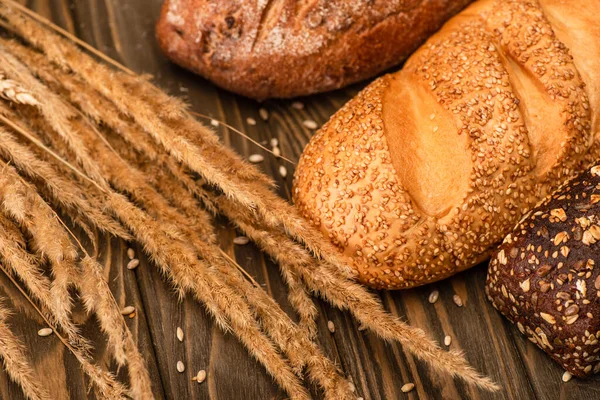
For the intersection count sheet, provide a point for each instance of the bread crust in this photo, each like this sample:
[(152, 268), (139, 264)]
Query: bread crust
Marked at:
[(289, 48), (545, 277), (495, 84)]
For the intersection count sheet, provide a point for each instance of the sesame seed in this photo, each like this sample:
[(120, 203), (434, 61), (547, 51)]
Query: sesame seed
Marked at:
[(241, 240), (179, 334), (310, 124), (45, 332), (567, 376), (256, 158), (180, 366), (407, 387), (128, 310), (433, 296), (250, 121), (331, 326), (133, 264)]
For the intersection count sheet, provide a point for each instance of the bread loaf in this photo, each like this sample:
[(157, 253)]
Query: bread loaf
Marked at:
[(287, 48), (422, 173), (545, 277)]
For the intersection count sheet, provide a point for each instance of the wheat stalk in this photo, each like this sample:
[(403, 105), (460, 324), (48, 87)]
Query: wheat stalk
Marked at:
[(16, 361), (81, 106)]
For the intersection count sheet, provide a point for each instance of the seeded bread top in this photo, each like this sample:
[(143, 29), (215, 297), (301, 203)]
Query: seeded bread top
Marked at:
[(426, 170), (545, 277)]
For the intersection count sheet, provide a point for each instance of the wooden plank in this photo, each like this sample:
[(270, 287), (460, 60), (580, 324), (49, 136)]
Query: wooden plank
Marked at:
[(124, 30)]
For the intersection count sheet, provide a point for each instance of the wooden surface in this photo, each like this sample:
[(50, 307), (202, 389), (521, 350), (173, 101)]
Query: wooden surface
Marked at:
[(124, 30)]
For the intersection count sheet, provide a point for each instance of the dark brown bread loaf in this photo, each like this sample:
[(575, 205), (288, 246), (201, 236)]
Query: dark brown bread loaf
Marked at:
[(546, 275), (287, 48)]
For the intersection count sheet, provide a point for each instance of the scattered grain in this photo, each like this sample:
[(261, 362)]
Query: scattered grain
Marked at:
[(566, 376), (256, 158), (264, 114), (179, 334), (407, 387), (180, 366), (130, 253), (214, 122), (282, 171), (331, 326), (274, 142), (200, 376), (276, 151), (447, 340), (298, 105), (128, 310), (310, 124), (45, 332), (434, 296), (457, 300), (133, 264), (241, 240)]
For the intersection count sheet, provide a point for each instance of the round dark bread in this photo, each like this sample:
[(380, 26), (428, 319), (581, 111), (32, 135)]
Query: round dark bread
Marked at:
[(288, 48), (545, 277)]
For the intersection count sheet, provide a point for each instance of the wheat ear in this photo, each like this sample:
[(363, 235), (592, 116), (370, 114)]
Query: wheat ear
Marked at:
[(16, 361), (23, 204), (70, 197), (25, 266), (98, 298), (118, 85), (181, 265), (334, 286), (52, 108)]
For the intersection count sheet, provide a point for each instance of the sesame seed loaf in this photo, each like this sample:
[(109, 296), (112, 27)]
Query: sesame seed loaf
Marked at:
[(288, 48), (421, 174), (545, 277)]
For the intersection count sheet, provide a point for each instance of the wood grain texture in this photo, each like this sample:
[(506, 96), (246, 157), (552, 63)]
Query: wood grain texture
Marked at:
[(124, 30)]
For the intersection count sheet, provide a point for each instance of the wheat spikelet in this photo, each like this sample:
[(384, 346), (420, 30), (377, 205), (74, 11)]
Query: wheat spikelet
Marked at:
[(53, 109), (11, 90), (25, 266), (334, 286), (16, 361), (180, 264), (70, 197), (52, 241), (98, 298)]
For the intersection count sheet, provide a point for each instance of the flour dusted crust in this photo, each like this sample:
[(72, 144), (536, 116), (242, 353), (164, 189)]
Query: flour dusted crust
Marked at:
[(420, 175), (288, 48), (545, 277)]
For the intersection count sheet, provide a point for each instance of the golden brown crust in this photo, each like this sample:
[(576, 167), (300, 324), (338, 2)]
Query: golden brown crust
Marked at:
[(545, 276), (288, 48), (491, 113)]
